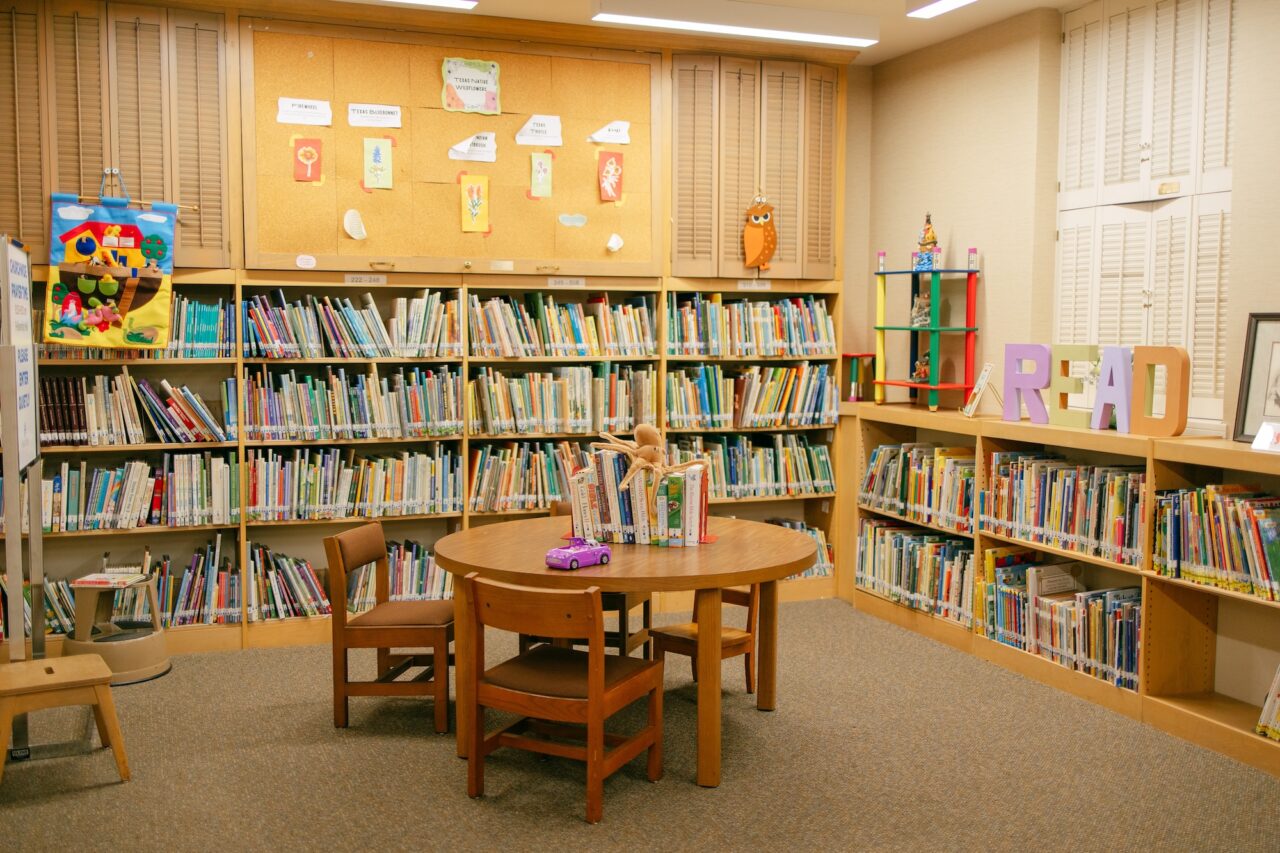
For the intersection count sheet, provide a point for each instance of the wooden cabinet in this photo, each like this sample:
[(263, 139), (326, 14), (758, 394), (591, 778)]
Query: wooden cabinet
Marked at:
[(23, 211), (742, 128)]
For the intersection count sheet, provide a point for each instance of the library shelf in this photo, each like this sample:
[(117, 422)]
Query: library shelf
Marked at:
[(343, 360), (1039, 668), (188, 639), (863, 506), (145, 530), (575, 284), (724, 430), (755, 286), (557, 359), (934, 627), (747, 359), (145, 447), (327, 442), (538, 436), (914, 416), (1213, 590), (46, 361), (1060, 552), (1217, 453), (508, 513), (802, 496), (1077, 438), (1217, 722), (352, 519), (294, 631)]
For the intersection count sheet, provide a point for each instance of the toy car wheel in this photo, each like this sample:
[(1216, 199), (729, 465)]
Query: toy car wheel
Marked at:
[(604, 558), (573, 564)]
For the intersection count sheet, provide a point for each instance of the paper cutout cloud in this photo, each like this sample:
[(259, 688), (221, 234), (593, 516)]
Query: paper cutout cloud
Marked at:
[(573, 220), (73, 212)]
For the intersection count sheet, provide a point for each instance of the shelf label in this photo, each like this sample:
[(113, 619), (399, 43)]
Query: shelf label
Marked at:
[(305, 262), (364, 278), (560, 282), (755, 284), (501, 266)]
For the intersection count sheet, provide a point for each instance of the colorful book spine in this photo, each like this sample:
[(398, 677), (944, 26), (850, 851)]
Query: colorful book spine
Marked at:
[(506, 327), (701, 324), (919, 568), (522, 475), (581, 400), (779, 465), (757, 397), (412, 575), (1227, 536)]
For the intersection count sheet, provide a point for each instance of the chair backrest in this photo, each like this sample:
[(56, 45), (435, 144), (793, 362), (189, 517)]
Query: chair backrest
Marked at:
[(352, 549), (553, 613), (748, 598)]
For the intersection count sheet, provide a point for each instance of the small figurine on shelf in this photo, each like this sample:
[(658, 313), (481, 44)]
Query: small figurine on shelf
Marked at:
[(921, 371), (920, 315), (928, 243)]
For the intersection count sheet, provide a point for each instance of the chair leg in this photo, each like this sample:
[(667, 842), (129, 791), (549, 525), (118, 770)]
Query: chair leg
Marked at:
[(475, 755), (440, 677), (339, 687), (693, 662), (525, 643), (384, 661), (624, 629), (6, 729), (106, 706), (749, 664), (595, 769), (100, 720), (655, 724)]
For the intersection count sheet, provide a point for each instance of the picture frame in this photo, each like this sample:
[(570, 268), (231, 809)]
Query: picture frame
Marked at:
[(1259, 399)]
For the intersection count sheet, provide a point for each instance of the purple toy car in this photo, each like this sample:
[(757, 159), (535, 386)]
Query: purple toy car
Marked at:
[(579, 552)]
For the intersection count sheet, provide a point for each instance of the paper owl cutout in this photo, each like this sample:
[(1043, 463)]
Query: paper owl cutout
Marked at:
[(759, 237)]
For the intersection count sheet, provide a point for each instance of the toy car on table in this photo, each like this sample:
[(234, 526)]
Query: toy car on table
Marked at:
[(578, 553)]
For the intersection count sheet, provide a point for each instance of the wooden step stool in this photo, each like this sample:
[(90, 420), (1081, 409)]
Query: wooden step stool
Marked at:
[(33, 685)]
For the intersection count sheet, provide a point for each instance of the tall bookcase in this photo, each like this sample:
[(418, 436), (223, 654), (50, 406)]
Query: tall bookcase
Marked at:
[(70, 554), (1207, 654)]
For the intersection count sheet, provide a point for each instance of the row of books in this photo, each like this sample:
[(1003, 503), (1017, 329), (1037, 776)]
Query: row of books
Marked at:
[(707, 397), (196, 330), (1047, 610), (522, 475), (703, 324), (426, 326), (922, 482), (741, 466), (1090, 509), (825, 564), (412, 575), (918, 568), (408, 403), (108, 410), (181, 490), (605, 511), (587, 400), (1220, 535), (505, 326), (281, 587), (295, 485)]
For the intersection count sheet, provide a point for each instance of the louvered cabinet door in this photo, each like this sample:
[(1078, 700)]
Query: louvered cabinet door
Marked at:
[(79, 121), (739, 163), (1175, 72), (1209, 294), (1126, 90), (694, 149), (1217, 118), (198, 137), (1124, 246), (820, 139), (1076, 279), (1081, 108), (1170, 271), (782, 152), (23, 208), (139, 104)]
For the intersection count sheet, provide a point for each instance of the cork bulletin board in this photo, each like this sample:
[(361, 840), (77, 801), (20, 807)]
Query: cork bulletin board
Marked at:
[(415, 225)]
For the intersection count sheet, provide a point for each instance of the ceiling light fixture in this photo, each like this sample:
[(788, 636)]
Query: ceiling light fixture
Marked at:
[(752, 20), (933, 8)]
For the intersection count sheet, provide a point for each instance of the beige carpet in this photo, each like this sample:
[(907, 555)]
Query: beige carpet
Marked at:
[(882, 740)]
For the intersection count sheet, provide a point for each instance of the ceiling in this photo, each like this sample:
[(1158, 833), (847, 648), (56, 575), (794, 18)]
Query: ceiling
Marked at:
[(898, 33)]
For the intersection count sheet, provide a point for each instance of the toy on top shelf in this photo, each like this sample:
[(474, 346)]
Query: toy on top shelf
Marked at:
[(929, 255)]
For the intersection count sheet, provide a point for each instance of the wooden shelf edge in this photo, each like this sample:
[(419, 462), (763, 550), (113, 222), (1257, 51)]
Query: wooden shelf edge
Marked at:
[(297, 631), (1045, 671), (1217, 453), (1062, 552), (934, 627), (1215, 722)]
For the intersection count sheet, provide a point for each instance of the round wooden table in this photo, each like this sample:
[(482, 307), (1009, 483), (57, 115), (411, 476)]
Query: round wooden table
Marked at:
[(745, 552)]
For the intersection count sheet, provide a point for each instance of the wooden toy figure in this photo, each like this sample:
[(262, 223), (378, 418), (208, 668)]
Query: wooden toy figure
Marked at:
[(927, 243), (759, 236), (921, 371)]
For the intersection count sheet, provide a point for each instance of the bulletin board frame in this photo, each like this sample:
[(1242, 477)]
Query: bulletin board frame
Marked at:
[(487, 257)]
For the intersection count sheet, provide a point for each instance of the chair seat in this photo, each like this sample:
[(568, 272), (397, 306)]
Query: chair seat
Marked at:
[(404, 614), (34, 676), (689, 632), (554, 671)]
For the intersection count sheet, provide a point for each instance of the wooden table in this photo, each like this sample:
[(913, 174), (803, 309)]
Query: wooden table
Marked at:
[(746, 552)]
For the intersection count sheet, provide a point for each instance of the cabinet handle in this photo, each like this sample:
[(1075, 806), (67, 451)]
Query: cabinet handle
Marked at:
[(382, 266), (466, 265)]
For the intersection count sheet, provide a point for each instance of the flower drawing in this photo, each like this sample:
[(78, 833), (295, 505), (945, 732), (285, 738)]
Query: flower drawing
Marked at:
[(475, 200), (307, 156), (610, 176)]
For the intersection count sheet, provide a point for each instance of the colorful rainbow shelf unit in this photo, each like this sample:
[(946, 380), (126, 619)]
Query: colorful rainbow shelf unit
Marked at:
[(932, 333)]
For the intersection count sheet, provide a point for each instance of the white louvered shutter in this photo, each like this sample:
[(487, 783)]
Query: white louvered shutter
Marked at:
[(198, 137), (1074, 301), (1210, 290), (1217, 117), (1170, 251), (782, 160), (1081, 99), (79, 122), (739, 158), (820, 173), (1176, 53), (1126, 119), (23, 211), (1123, 249), (140, 101), (694, 149)]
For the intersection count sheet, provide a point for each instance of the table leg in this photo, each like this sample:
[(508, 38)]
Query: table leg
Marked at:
[(462, 674), (707, 612), (767, 689)]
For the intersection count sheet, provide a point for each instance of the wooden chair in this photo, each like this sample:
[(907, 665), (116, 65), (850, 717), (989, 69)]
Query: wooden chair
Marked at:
[(388, 625), (683, 639), (623, 604), (33, 685), (558, 686)]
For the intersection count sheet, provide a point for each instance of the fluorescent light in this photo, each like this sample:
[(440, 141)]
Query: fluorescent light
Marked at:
[(934, 9), (806, 26)]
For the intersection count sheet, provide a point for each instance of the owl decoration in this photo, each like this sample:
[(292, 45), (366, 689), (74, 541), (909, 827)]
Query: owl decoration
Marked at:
[(759, 236)]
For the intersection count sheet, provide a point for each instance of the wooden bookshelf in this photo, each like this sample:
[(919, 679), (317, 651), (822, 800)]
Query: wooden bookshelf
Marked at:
[(1181, 667)]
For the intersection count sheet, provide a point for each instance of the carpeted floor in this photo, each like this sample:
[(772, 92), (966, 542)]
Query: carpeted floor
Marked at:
[(882, 740)]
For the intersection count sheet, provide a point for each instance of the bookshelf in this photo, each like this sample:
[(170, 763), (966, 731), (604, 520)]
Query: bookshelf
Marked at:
[(72, 553), (1207, 654)]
